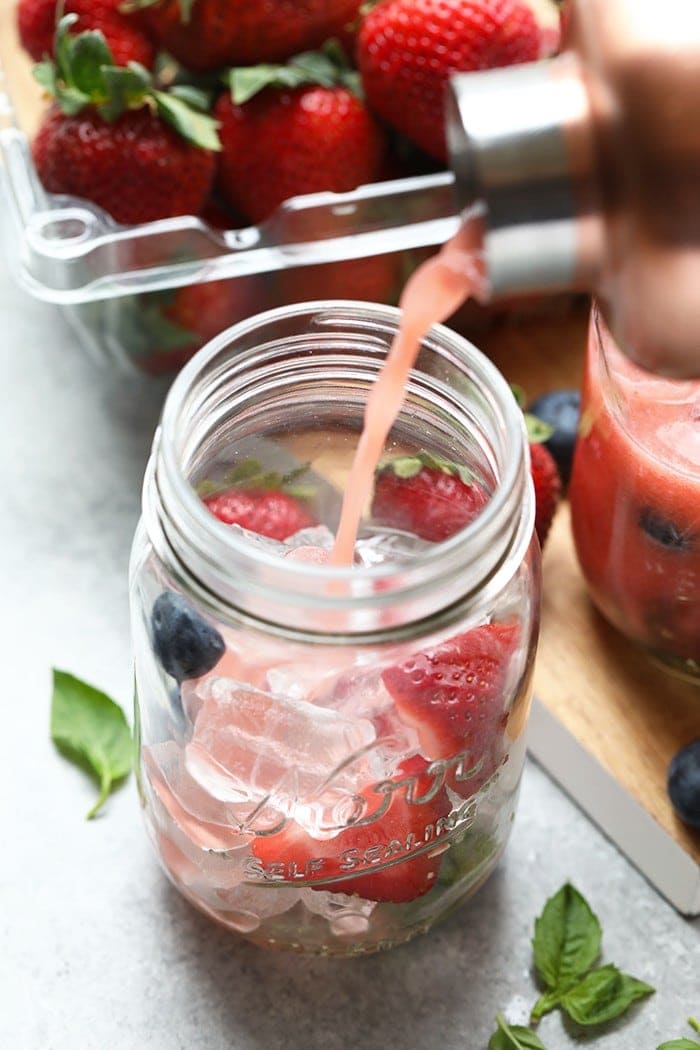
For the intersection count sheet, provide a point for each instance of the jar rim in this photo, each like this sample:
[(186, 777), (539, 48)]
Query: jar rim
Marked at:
[(184, 520)]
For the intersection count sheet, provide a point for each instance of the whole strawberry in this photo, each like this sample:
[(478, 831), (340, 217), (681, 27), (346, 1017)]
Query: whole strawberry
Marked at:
[(36, 22), (427, 496), (547, 482), (206, 34), (306, 137), (260, 501), (407, 50), (113, 139)]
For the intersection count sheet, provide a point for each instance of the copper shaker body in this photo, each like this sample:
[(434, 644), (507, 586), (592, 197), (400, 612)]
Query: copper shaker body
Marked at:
[(586, 169)]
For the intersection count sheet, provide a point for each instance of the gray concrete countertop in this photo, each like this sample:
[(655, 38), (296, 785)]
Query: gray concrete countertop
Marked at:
[(97, 950)]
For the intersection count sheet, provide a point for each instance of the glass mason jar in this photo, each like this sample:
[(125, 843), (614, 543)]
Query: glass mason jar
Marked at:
[(330, 756), (635, 501)]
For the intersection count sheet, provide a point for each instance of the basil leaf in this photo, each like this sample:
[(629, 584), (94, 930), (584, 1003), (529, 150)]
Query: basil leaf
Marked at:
[(603, 995), (679, 1044), (91, 730), (514, 1037), (567, 939), (545, 1004)]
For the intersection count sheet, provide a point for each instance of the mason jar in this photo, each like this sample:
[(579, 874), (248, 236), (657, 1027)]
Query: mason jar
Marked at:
[(635, 502), (330, 755)]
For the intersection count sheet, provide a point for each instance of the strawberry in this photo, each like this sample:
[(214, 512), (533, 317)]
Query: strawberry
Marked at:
[(139, 153), (36, 22), (280, 141), (206, 34), (398, 829), (262, 502), (407, 50), (547, 482), (453, 694), (373, 280), (427, 496)]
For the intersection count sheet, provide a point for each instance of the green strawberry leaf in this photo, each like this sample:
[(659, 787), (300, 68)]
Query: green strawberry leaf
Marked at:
[(326, 67), (195, 97), (62, 47), (246, 81), (603, 995), (87, 55), (126, 87), (45, 74), (186, 10), (567, 939), (537, 430), (91, 730), (514, 1037), (519, 394), (197, 128)]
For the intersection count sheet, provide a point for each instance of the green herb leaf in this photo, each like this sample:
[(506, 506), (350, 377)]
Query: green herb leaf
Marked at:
[(603, 995), (544, 1005), (198, 128), (514, 1037), (679, 1044), (91, 730), (567, 939)]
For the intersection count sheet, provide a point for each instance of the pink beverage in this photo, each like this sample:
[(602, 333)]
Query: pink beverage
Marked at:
[(635, 501), (330, 753), (432, 294)]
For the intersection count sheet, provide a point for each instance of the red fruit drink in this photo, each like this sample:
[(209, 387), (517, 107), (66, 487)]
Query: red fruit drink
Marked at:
[(635, 501), (331, 750)]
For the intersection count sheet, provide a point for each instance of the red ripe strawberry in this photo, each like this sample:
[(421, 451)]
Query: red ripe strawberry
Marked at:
[(269, 513), (453, 694), (426, 496), (282, 143), (207, 34), (398, 830), (407, 49), (373, 280), (547, 482), (36, 21), (260, 501), (136, 167), (112, 138)]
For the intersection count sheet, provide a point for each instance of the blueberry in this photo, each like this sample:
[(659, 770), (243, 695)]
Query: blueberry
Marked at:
[(684, 783), (561, 409), (663, 531), (186, 645)]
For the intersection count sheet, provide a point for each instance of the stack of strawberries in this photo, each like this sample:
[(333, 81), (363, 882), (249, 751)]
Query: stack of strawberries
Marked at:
[(225, 108), (158, 104)]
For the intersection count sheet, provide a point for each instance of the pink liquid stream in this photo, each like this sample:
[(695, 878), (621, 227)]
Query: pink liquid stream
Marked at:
[(432, 294)]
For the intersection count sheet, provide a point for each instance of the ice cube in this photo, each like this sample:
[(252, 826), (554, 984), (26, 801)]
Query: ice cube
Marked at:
[(258, 749), (361, 694), (348, 915), (319, 536), (379, 546)]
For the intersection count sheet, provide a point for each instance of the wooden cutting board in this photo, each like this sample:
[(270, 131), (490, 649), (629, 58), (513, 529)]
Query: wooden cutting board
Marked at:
[(605, 722)]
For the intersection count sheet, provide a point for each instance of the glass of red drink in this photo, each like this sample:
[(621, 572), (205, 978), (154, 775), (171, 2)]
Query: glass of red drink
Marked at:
[(635, 501)]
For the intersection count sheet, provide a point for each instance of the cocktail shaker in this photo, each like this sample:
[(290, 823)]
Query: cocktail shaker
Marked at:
[(586, 169)]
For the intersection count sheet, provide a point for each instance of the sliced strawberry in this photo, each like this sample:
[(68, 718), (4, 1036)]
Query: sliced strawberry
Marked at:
[(376, 853), (427, 496), (453, 694)]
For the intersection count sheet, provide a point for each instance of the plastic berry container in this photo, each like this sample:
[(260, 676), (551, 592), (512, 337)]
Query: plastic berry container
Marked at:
[(149, 296), (297, 783)]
